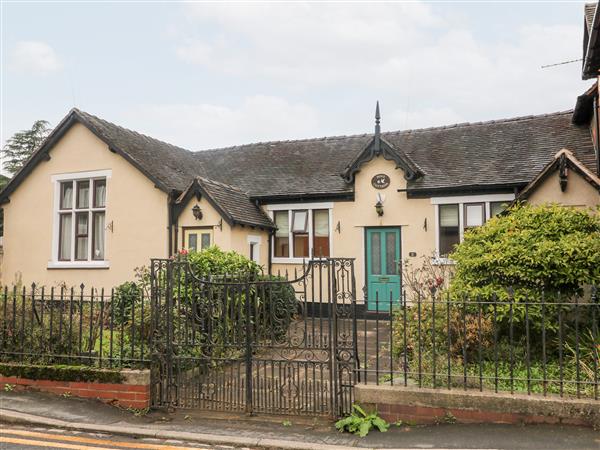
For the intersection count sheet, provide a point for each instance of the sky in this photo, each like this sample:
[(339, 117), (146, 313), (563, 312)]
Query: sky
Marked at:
[(206, 75)]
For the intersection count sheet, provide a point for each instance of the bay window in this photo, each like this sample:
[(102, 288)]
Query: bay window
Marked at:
[(302, 233), (80, 224)]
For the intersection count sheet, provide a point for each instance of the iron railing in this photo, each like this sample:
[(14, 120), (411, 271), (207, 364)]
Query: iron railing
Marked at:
[(74, 326), (548, 345)]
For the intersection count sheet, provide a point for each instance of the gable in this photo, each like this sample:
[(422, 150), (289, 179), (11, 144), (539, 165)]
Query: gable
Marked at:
[(564, 180)]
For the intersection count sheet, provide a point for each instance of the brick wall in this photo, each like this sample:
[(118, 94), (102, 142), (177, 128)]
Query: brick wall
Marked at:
[(425, 406), (134, 392)]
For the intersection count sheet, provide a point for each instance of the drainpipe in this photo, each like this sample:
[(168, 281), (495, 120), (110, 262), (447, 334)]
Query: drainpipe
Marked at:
[(170, 222), (270, 249)]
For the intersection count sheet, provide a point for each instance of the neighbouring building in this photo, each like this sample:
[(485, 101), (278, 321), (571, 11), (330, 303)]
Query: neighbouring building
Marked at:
[(97, 200)]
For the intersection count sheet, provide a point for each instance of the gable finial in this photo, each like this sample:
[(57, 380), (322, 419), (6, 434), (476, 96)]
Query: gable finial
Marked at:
[(377, 129)]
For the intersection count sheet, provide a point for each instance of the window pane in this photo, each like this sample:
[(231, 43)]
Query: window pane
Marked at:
[(300, 221), (83, 194), (66, 195), (496, 208), (301, 245), (99, 193), (65, 231), (98, 233), (82, 223), (390, 253), (448, 215), (449, 237), (81, 236), (376, 254), (282, 221), (205, 241), (282, 236), (321, 233), (193, 242), (449, 228), (474, 215)]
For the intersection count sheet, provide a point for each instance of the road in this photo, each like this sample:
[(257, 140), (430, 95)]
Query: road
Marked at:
[(20, 438)]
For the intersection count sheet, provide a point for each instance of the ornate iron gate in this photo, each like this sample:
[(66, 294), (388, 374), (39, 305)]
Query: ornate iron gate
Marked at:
[(284, 346)]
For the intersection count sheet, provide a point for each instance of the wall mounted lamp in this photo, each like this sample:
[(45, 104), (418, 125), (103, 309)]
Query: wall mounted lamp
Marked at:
[(379, 208), (197, 212)]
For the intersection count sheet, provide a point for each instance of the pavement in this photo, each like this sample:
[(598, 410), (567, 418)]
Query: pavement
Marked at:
[(30, 409)]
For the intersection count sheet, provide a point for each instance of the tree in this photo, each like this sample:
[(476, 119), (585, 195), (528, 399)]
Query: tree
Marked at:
[(531, 248), (22, 144)]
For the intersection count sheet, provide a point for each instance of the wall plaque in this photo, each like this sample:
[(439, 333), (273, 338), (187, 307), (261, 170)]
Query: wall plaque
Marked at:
[(380, 181)]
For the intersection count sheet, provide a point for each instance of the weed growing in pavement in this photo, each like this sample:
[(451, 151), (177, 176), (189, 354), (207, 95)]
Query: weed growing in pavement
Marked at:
[(361, 423)]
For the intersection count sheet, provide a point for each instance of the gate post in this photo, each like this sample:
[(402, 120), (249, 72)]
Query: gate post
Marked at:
[(249, 405)]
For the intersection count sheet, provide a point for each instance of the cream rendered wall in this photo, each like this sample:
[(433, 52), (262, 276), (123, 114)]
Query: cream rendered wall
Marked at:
[(230, 237), (578, 193), (136, 208), (399, 211)]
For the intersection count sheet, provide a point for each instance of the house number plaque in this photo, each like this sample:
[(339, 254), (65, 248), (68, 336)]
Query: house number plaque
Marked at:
[(380, 181)]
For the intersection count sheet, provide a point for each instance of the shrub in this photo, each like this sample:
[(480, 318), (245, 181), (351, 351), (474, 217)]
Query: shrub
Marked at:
[(531, 248)]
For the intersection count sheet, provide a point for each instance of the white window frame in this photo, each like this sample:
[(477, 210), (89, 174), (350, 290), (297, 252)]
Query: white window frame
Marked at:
[(461, 201), (56, 181), (300, 206), (255, 240)]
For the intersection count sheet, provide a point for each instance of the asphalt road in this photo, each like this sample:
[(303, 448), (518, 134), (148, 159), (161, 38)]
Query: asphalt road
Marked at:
[(35, 438)]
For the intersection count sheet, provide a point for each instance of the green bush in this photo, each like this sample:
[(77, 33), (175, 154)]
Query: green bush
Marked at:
[(215, 262), (531, 248)]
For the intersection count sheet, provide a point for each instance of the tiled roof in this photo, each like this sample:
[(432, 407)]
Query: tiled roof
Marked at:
[(501, 152), (233, 203), (493, 154), (589, 11), (168, 164)]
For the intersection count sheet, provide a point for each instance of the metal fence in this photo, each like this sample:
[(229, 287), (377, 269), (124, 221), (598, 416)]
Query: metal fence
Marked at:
[(545, 345), (75, 326)]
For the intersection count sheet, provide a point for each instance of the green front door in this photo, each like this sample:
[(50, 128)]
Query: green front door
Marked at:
[(383, 258)]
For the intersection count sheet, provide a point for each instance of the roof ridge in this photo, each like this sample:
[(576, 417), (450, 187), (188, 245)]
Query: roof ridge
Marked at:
[(396, 132)]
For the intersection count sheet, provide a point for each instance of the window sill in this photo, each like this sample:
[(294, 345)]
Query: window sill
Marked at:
[(78, 265), (442, 262)]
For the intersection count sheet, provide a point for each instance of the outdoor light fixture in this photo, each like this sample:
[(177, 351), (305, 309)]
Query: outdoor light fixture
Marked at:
[(379, 205), (197, 212)]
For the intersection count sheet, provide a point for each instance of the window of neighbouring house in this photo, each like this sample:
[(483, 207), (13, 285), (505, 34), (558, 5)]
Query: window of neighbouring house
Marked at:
[(448, 228), (81, 220), (302, 233)]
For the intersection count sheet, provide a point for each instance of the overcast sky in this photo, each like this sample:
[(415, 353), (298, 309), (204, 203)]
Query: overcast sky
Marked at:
[(203, 75)]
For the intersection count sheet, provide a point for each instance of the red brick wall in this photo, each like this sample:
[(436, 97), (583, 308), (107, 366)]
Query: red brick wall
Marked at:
[(125, 395), (428, 415)]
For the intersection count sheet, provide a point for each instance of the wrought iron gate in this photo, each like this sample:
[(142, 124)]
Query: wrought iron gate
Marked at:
[(284, 345)]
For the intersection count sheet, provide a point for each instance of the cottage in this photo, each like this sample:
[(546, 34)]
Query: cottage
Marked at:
[(98, 200)]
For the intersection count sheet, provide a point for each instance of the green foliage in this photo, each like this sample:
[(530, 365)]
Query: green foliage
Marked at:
[(61, 373), (215, 262), (532, 247), (125, 297), (361, 423), (22, 144)]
